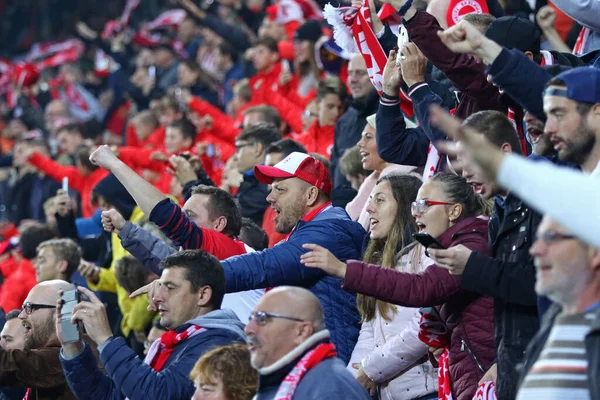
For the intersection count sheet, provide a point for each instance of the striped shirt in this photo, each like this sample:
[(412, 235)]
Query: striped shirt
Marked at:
[(560, 372)]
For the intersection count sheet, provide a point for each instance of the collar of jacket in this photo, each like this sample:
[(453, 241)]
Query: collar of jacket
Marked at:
[(367, 105), (467, 226), (287, 362)]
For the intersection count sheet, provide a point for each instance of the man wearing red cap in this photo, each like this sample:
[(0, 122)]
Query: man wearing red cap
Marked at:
[(301, 186)]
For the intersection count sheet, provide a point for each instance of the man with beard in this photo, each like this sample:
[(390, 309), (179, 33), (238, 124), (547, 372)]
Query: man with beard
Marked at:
[(37, 367), (288, 342), (300, 195)]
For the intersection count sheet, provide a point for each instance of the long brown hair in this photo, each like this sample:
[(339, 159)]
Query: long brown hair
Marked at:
[(384, 251)]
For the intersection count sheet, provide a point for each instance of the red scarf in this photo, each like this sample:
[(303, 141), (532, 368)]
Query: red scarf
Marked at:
[(161, 350), (310, 216), (434, 333), (312, 358), (353, 32), (486, 391)]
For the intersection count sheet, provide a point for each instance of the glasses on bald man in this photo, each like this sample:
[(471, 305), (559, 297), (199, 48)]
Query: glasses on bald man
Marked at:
[(31, 307), (262, 317)]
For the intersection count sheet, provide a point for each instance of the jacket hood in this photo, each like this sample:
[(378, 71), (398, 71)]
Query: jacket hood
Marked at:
[(115, 193), (476, 225), (220, 319)]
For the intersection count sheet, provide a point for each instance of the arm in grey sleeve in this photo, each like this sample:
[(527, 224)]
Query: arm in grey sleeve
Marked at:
[(568, 196), (586, 12), (144, 246)]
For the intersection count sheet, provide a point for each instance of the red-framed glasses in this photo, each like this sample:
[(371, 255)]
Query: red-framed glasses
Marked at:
[(420, 206)]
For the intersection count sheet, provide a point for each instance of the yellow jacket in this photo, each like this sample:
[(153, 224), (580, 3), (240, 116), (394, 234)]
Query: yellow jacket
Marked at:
[(135, 312)]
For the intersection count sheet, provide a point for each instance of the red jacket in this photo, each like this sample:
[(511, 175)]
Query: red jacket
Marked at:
[(17, 285), (154, 141), (83, 184), (224, 127), (468, 315), (318, 139)]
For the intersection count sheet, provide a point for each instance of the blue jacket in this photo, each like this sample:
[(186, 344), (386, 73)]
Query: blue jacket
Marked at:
[(522, 79), (332, 229), (407, 146), (127, 376)]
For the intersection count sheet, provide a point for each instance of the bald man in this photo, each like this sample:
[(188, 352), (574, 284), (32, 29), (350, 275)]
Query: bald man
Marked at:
[(37, 366), (287, 330)]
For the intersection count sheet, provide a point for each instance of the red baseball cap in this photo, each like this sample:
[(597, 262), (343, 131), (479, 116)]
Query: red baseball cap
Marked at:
[(299, 165)]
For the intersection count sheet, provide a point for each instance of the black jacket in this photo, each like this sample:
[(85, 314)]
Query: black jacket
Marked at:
[(22, 205), (348, 130), (252, 196), (509, 277), (592, 346)]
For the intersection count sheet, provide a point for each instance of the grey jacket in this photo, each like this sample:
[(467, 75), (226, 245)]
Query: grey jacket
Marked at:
[(144, 246)]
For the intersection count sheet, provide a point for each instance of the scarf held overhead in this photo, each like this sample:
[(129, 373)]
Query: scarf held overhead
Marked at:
[(353, 32)]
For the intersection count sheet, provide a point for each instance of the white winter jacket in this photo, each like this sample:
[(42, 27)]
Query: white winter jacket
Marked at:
[(390, 352)]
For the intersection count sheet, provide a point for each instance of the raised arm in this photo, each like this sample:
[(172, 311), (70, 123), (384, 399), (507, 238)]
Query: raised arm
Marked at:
[(145, 195)]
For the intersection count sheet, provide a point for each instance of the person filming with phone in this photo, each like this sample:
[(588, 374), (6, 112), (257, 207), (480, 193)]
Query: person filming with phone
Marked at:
[(448, 210), (37, 367)]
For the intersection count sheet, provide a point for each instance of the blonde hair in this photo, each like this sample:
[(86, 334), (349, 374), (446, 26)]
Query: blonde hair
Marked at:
[(230, 364)]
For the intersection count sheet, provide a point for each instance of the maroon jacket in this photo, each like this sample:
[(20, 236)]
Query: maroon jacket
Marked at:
[(468, 315), (466, 74)]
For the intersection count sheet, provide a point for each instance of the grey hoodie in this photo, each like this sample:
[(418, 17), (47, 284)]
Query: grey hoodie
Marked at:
[(221, 319)]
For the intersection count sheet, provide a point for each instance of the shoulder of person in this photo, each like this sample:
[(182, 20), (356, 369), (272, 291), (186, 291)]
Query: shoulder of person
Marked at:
[(330, 379)]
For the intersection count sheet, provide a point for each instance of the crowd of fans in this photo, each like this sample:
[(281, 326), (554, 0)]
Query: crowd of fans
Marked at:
[(388, 199)]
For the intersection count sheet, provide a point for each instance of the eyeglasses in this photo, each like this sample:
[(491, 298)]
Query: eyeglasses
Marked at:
[(31, 307), (420, 206), (239, 146), (553, 236), (262, 317)]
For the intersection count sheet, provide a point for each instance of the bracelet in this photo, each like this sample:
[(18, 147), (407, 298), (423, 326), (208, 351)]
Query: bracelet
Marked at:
[(405, 8), (389, 98)]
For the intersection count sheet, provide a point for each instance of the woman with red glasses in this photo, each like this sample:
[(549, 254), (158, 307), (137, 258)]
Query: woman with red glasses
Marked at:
[(457, 324)]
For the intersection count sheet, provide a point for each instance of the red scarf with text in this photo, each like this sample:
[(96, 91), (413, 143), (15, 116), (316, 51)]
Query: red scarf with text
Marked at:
[(312, 358)]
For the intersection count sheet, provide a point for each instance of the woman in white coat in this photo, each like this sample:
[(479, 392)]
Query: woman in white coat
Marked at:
[(389, 359)]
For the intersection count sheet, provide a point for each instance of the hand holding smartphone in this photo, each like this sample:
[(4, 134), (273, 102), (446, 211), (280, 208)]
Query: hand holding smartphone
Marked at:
[(71, 332)]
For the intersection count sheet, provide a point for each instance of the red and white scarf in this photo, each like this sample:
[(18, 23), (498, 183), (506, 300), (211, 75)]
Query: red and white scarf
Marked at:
[(582, 40), (161, 349), (312, 358), (353, 32), (114, 26), (434, 333), (457, 9), (486, 391)]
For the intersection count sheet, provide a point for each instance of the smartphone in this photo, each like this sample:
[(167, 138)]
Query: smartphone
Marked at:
[(65, 184), (402, 40), (210, 150), (152, 72), (71, 331), (285, 65), (426, 240)]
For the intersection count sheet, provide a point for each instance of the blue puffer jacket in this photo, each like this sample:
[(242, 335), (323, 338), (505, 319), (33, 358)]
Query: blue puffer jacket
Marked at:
[(332, 229), (129, 377)]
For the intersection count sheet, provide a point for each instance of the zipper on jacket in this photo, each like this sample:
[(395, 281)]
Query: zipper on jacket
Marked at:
[(465, 346)]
